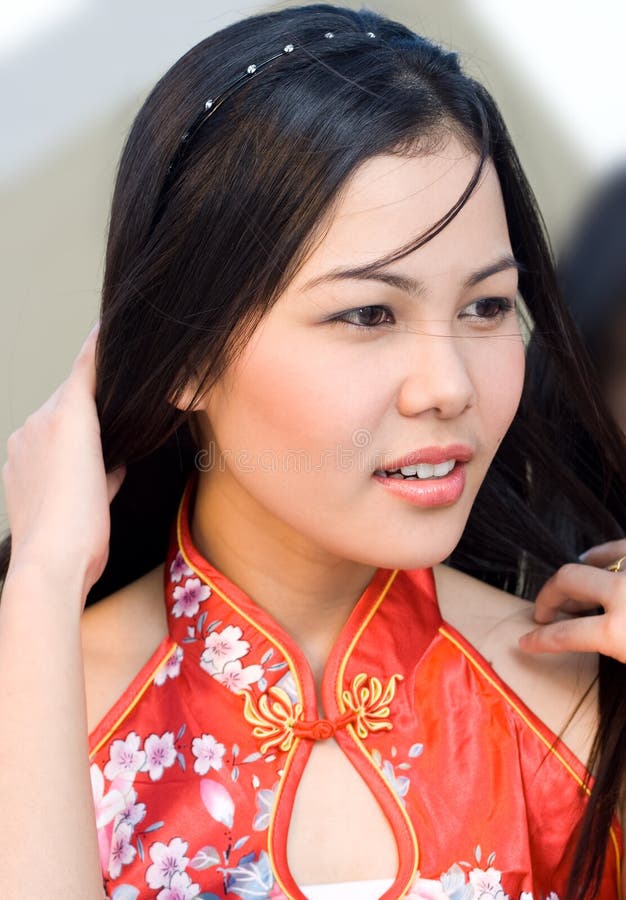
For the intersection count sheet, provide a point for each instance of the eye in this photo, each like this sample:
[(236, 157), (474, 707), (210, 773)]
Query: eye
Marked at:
[(488, 309), (366, 317)]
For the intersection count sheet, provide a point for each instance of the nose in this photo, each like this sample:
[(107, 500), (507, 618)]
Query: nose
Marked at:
[(436, 377)]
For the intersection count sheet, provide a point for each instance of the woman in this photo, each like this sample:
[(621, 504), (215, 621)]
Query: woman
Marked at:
[(310, 379)]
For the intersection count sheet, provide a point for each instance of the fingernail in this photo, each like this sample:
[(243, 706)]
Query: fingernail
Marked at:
[(583, 556)]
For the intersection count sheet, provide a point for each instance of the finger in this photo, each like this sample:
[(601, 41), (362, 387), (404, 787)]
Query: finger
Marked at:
[(572, 608), (604, 554), (84, 366), (585, 635), (576, 587)]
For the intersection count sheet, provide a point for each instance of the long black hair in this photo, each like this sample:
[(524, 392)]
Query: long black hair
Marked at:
[(198, 253)]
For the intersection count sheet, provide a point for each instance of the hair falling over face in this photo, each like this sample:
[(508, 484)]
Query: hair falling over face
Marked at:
[(199, 252)]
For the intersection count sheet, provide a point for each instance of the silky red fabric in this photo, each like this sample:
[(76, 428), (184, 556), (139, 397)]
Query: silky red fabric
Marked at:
[(195, 768)]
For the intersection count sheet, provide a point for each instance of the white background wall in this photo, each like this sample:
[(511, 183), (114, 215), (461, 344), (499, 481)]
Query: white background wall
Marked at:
[(74, 72)]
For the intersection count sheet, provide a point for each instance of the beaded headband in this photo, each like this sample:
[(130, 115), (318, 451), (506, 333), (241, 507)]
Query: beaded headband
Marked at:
[(212, 103)]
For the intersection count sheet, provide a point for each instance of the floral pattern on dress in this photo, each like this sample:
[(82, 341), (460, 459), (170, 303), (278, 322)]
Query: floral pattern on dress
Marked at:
[(223, 652), (171, 866), (466, 881), (188, 598), (170, 668), (400, 784), (247, 875), (460, 882), (209, 754), (179, 568), (118, 812)]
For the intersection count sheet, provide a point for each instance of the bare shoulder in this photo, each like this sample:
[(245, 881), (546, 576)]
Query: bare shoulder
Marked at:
[(551, 685), (119, 634)]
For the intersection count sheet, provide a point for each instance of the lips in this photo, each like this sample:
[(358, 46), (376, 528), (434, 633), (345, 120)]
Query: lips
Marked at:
[(428, 493)]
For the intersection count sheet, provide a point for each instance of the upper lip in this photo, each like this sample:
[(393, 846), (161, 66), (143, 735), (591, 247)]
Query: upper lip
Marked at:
[(430, 455)]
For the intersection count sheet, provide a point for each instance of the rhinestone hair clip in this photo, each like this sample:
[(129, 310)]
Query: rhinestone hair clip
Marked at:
[(213, 103)]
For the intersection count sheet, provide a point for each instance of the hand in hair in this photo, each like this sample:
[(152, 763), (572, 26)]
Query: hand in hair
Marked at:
[(577, 590), (57, 491)]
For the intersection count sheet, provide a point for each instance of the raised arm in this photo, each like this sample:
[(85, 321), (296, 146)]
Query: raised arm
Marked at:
[(58, 497)]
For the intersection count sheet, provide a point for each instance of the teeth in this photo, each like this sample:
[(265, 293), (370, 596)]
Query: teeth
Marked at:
[(421, 470)]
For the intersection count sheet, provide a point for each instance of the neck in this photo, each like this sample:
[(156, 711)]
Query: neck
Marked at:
[(309, 592)]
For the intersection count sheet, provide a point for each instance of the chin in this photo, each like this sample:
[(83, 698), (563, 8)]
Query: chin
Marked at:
[(413, 560), (413, 555)]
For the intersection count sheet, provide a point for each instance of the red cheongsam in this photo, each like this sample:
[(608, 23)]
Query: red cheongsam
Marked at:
[(195, 768)]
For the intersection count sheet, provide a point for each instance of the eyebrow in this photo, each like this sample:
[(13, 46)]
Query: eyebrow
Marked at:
[(412, 285)]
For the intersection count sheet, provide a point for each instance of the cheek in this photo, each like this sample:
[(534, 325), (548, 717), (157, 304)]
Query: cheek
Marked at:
[(299, 399), (499, 383)]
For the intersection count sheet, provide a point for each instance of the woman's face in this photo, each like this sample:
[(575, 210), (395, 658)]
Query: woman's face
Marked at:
[(350, 372)]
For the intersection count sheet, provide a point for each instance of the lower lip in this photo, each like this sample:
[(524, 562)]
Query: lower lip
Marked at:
[(427, 491)]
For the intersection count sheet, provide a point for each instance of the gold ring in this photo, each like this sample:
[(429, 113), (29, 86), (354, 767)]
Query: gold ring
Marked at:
[(617, 565)]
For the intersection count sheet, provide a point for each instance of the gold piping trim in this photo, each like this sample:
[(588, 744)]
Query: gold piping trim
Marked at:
[(135, 701), (350, 728), (364, 624), (536, 731), (398, 802), (618, 858), (270, 829), (237, 609)]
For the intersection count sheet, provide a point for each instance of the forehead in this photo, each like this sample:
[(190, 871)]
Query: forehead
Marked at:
[(391, 200)]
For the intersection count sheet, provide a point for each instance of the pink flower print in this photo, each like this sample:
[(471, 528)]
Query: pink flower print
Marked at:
[(426, 889), (106, 808), (171, 668), (180, 888), (108, 805), (167, 860), (125, 757), (189, 597), (208, 753), (218, 801), (122, 851), (223, 647), (236, 678), (133, 813), (160, 754), (276, 893), (179, 567), (486, 884)]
